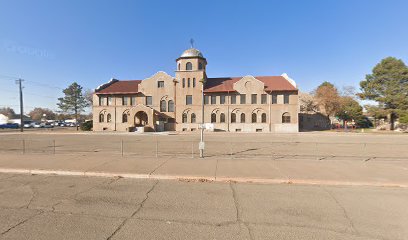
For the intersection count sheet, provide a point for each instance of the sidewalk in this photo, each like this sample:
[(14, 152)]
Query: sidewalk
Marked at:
[(388, 173)]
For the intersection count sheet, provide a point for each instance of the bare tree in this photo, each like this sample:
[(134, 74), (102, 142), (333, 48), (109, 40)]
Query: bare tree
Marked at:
[(6, 111), (308, 103)]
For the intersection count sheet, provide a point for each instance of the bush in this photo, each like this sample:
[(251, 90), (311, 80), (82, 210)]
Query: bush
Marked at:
[(364, 122), (87, 126)]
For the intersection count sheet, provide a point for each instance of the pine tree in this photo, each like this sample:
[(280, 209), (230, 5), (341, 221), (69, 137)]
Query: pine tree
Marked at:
[(74, 101), (388, 85)]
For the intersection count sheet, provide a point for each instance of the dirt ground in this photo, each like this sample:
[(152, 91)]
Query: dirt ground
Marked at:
[(225, 145)]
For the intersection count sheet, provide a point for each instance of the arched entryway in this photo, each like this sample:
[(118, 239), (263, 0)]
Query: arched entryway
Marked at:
[(141, 119)]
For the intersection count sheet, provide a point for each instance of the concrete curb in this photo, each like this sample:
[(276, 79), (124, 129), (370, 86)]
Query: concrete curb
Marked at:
[(201, 178)]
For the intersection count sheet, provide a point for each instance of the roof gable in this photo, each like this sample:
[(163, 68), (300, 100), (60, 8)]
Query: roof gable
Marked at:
[(271, 83), (121, 87)]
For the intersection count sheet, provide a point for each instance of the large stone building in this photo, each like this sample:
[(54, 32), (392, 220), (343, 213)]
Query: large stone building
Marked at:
[(166, 103)]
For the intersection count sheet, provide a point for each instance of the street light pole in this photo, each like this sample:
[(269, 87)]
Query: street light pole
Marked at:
[(201, 146)]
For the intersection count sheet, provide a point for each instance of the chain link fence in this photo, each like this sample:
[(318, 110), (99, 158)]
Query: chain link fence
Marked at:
[(213, 149)]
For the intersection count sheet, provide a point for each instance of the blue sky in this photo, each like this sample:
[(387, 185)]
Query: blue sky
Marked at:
[(50, 44)]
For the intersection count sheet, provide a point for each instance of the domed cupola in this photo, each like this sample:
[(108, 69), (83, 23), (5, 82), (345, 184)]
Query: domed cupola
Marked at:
[(192, 52), (191, 60)]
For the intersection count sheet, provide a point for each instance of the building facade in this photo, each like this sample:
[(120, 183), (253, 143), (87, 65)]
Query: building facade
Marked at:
[(166, 103)]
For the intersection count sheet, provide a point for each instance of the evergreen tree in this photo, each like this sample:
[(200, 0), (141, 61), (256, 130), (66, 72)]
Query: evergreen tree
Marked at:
[(388, 85), (74, 101), (349, 110)]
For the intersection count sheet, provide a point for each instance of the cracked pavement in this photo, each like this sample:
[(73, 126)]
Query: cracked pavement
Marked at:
[(69, 207)]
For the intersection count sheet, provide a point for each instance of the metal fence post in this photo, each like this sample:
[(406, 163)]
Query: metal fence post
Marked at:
[(24, 146), (53, 143)]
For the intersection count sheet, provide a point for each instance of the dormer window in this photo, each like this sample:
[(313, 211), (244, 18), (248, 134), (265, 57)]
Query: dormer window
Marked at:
[(189, 66), (200, 66)]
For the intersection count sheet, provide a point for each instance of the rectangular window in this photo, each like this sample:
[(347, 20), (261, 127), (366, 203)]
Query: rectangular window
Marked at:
[(110, 101), (222, 99), (125, 101), (233, 99), (213, 99), (243, 99), (253, 99), (133, 101), (206, 99), (286, 98), (263, 99), (101, 101), (189, 100), (160, 84), (188, 82), (194, 82), (274, 98), (149, 100), (184, 82)]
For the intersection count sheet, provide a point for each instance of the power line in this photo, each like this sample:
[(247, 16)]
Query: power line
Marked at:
[(44, 85), (10, 77), (28, 93)]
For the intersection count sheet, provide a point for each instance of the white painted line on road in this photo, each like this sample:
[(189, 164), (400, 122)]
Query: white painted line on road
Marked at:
[(57, 172), (12, 170)]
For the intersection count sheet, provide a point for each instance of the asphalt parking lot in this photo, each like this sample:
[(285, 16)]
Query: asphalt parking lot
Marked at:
[(64, 207)]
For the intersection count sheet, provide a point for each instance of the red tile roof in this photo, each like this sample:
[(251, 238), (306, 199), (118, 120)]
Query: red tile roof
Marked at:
[(272, 83), (121, 87)]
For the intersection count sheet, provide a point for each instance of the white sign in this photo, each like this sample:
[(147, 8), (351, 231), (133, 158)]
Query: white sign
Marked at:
[(208, 126), (201, 145)]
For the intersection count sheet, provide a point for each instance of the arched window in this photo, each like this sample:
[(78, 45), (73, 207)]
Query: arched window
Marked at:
[(254, 117), (124, 118), (242, 117), (200, 66), (263, 116), (171, 106), (193, 118), (108, 118), (163, 106), (213, 117), (184, 118), (233, 118), (101, 117), (189, 66), (222, 117), (286, 118), (178, 67)]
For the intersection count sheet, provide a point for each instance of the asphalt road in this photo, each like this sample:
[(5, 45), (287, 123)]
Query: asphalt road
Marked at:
[(64, 207)]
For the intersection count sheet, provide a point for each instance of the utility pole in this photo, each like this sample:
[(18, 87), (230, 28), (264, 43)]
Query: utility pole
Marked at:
[(19, 81)]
